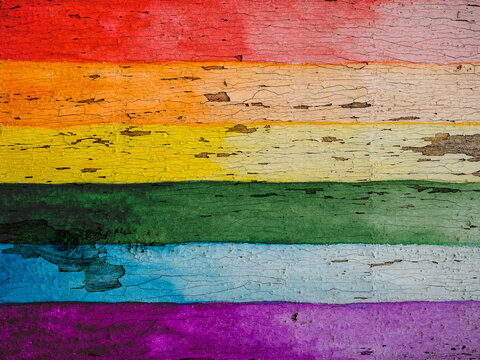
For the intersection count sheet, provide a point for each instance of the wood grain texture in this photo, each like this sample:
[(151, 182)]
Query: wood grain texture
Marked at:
[(295, 31), (257, 152), (229, 134), (239, 273), (241, 331), (316, 213), (66, 94)]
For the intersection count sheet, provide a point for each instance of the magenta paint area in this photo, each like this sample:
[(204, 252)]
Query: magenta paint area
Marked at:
[(415, 330)]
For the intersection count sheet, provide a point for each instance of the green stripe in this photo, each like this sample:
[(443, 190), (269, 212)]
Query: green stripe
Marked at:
[(396, 212)]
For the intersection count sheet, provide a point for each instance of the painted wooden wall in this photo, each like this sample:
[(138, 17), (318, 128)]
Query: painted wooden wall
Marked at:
[(208, 179)]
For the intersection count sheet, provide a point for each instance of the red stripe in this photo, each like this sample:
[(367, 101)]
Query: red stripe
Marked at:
[(257, 30)]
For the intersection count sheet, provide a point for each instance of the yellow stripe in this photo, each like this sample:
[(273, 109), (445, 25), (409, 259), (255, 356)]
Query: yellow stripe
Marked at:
[(152, 153), (69, 94)]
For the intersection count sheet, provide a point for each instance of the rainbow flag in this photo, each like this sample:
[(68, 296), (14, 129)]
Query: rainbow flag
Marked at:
[(268, 179)]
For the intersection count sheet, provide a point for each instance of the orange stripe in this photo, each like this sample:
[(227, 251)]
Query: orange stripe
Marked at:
[(195, 93)]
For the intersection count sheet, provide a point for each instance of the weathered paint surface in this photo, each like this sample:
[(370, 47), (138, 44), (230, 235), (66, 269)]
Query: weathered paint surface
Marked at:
[(241, 331), (239, 273), (275, 153), (99, 275), (280, 31), (65, 94), (317, 213), (123, 110)]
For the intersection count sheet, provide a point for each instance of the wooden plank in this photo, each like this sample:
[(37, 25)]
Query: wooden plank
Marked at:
[(316, 213), (239, 273), (257, 152), (66, 94), (241, 331), (296, 31)]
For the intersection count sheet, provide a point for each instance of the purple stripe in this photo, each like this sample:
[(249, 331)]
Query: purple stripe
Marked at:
[(417, 330)]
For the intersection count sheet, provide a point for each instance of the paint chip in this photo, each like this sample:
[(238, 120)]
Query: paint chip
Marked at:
[(132, 133), (356, 105), (241, 129), (330, 139), (89, 170), (221, 96), (444, 143)]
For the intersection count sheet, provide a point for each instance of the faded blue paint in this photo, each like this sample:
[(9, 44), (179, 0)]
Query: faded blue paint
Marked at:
[(257, 272)]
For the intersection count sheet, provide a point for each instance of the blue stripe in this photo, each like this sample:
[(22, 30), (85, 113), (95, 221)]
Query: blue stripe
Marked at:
[(239, 273)]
